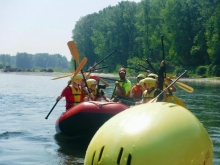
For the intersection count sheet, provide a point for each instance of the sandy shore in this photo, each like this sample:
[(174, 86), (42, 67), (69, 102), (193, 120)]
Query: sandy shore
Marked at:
[(215, 80)]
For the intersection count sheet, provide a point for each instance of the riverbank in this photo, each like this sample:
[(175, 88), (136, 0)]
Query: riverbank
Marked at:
[(215, 80)]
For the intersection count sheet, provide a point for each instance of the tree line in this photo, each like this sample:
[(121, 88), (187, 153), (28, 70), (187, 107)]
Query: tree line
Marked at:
[(30, 61), (191, 31)]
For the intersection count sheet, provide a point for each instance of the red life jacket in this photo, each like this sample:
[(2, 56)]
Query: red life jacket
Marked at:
[(137, 92), (73, 96)]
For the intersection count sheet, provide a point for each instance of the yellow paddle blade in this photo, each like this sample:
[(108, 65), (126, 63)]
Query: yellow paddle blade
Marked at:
[(171, 77), (67, 75), (169, 98), (185, 87), (179, 102), (81, 65), (74, 51)]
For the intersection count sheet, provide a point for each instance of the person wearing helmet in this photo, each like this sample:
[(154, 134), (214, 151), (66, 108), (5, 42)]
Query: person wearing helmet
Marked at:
[(99, 79), (122, 87), (150, 91), (137, 90), (96, 92), (73, 94), (100, 93), (166, 83)]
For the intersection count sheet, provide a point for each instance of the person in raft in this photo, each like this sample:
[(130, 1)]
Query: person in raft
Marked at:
[(73, 94), (150, 92), (122, 89), (137, 90), (96, 91)]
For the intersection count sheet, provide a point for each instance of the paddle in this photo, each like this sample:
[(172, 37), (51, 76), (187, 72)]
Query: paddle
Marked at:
[(111, 79), (176, 100), (154, 100), (95, 69), (143, 67), (185, 87), (163, 55), (139, 70), (113, 92), (104, 58), (82, 63), (151, 66), (74, 51), (181, 85)]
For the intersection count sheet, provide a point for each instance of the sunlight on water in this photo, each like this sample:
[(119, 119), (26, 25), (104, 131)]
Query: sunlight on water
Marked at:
[(27, 138)]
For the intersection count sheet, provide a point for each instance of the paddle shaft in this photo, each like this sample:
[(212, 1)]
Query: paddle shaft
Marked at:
[(163, 56), (113, 92), (103, 59), (111, 79), (151, 66), (57, 101), (172, 83), (143, 66), (90, 70), (134, 68)]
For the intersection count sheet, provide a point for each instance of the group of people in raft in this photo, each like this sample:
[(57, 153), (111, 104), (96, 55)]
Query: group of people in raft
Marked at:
[(146, 89)]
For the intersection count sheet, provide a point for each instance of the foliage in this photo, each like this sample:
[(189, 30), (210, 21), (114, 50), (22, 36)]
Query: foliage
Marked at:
[(214, 70), (191, 31), (201, 70), (40, 60), (1, 65)]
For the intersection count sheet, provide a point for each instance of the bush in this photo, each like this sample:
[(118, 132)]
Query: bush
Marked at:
[(214, 70), (1, 65), (201, 70)]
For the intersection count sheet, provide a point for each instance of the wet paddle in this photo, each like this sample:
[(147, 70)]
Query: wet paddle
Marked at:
[(82, 63), (73, 50), (185, 87)]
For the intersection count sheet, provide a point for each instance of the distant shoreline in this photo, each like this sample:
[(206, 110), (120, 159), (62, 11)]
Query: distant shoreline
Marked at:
[(110, 75)]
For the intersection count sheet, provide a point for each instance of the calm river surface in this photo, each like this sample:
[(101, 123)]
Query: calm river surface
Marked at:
[(26, 138)]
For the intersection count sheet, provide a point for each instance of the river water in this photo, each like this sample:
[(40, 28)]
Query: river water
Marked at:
[(27, 138)]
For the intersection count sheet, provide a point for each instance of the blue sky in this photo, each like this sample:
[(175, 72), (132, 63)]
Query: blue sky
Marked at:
[(43, 26)]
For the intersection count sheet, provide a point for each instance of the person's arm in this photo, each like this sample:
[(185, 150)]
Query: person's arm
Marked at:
[(104, 82), (132, 93), (63, 94), (119, 87), (105, 98)]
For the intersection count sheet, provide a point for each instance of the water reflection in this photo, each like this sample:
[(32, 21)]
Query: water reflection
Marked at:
[(71, 149)]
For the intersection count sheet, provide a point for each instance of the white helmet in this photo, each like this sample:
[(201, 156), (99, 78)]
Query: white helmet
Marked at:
[(152, 75), (140, 76), (77, 79), (91, 82), (150, 82)]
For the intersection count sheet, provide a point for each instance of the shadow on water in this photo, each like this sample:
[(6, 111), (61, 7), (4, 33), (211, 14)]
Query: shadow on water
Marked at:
[(71, 149)]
